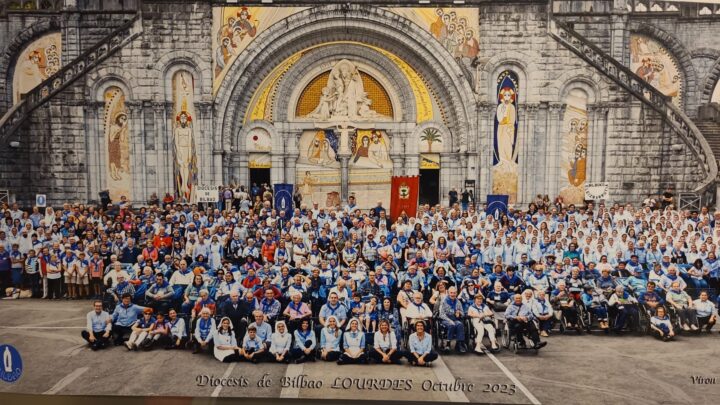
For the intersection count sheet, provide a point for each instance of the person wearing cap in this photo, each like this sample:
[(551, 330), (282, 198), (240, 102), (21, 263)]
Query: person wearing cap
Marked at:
[(98, 327)]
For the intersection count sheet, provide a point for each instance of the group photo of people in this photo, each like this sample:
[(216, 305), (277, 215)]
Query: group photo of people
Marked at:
[(242, 281)]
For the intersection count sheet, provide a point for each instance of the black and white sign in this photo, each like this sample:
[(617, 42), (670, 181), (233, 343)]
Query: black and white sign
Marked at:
[(597, 191), (206, 194)]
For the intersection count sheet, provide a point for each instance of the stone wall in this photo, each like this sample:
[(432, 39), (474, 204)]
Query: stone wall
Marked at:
[(629, 146)]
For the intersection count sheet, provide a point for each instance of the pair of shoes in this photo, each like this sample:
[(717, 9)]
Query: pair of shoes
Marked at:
[(693, 327), (685, 328), (461, 347), (543, 334), (539, 345), (129, 345)]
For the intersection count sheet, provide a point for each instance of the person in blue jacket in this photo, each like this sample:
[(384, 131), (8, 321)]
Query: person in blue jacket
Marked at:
[(304, 345), (420, 351), (330, 340), (124, 317)]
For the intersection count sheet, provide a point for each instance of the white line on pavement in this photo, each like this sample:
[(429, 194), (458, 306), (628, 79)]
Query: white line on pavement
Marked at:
[(65, 381), (292, 372), (443, 374), (514, 379), (229, 370)]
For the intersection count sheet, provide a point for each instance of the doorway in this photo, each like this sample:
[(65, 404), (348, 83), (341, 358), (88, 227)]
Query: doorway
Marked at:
[(259, 177), (429, 186)]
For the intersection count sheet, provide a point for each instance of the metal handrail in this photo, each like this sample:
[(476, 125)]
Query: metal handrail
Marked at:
[(68, 74), (645, 92)]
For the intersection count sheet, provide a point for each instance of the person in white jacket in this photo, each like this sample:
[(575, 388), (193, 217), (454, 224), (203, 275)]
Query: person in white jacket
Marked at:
[(482, 320), (226, 348), (280, 343)]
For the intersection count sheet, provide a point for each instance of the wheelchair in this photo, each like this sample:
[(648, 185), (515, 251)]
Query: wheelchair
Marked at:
[(471, 333), (580, 314), (676, 322), (589, 319), (633, 323), (509, 340)]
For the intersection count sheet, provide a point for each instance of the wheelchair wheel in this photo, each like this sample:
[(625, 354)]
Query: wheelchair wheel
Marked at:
[(505, 335)]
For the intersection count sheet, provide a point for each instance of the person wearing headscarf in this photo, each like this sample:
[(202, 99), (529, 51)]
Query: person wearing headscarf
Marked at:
[(353, 344), (204, 331), (226, 347), (385, 349), (330, 340), (280, 343), (304, 347)]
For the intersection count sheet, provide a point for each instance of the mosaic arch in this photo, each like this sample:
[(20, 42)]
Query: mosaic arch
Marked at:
[(656, 65), (38, 61)]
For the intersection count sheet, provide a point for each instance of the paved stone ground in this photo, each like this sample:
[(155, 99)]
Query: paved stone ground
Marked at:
[(571, 369)]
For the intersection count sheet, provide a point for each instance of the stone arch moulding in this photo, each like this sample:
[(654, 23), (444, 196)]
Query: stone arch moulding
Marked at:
[(111, 81), (245, 131), (374, 26), (580, 82), (322, 68), (98, 79), (9, 56), (171, 62), (317, 60), (445, 132), (677, 50), (711, 81), (500, 63)]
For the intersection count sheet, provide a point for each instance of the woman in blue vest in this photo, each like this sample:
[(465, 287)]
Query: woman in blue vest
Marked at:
[(661, 326)]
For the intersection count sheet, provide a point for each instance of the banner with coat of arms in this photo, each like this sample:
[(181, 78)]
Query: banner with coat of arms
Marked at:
[(404, 195)]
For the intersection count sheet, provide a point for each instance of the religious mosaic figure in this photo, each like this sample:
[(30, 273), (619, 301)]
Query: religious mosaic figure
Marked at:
[(656, 65), (117, 145), (505, 154), (183, 136), (40, 60), (319, 151)]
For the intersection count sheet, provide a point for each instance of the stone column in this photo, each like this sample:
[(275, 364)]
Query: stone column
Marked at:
[(449, 176), (344, 178), (485, 149), (164, 157), (618, 38), (137, 151), (553, 149), (530, 164), (291, 156), (243, 173), (233, 171)]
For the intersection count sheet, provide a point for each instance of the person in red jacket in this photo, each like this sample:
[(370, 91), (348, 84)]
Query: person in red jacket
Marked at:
[(268, 251), (161, 238), (251, 280)]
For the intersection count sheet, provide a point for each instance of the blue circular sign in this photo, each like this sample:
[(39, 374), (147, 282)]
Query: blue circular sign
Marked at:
[(11, 366)]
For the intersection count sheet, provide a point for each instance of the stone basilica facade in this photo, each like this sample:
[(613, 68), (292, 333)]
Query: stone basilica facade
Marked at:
[(510, 97)]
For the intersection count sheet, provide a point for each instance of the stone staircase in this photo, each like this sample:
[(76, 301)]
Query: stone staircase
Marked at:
[(68, 74), (628, 80), (711, 130)]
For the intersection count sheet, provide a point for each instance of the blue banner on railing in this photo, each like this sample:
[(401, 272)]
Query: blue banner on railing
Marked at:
[(283, 199)]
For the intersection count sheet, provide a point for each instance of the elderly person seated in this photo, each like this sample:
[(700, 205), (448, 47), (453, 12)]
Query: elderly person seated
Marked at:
[(520, 319), (159, 296), (263, 328), (269, 306), (482, 318), (624, 306), (296, 311), (564, 305), (670, 277), (418, 310), (122, 287), (542, 310), (204, 331), (683, 304), (238, 311), (451, 316), (498, 299)]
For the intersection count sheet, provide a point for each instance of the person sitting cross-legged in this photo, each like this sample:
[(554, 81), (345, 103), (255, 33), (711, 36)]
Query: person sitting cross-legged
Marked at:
[(660, 325), (420, 352), (99, 327)]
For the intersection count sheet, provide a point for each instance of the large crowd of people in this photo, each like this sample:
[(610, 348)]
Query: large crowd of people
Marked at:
[(247, 282)]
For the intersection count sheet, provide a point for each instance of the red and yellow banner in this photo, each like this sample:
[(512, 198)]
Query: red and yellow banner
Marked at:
[(404, 196)]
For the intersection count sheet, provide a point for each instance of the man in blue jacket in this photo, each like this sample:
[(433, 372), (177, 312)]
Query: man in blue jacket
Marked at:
[(451, 314), (520, 318)]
